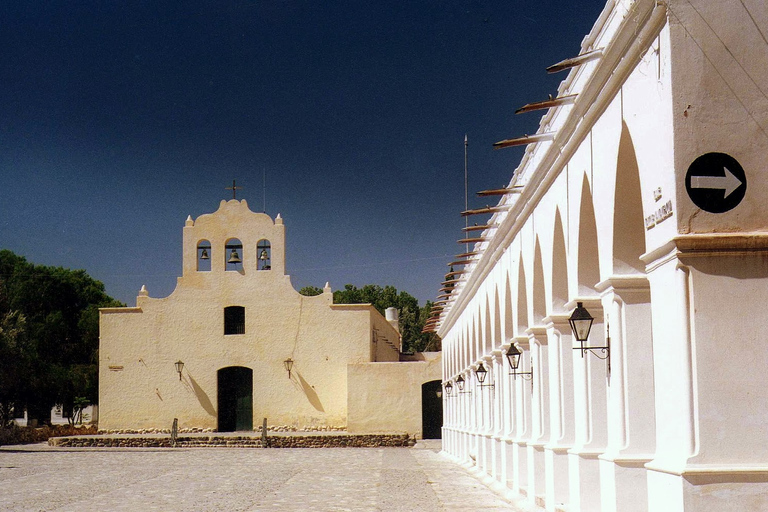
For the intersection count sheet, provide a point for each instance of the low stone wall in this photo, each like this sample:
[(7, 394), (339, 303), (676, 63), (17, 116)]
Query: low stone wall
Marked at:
[(340, 441), (154, 442), (193, 430), (311, 441), (157, 431)]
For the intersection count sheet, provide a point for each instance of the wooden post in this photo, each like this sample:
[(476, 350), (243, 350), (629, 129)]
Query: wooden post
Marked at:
[(264, 443)]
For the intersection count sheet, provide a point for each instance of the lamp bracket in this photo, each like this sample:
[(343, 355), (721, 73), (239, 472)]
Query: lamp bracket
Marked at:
[(525, 375), (606, 351), (603, 350)]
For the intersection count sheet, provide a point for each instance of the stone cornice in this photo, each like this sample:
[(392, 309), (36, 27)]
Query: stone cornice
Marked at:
[(707, 245)]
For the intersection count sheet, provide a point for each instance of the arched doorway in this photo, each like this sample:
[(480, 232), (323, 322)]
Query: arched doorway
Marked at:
[(235, 399), (431, 410)]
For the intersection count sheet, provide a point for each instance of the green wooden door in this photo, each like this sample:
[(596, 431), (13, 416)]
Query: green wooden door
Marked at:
[(431, 410), (235, 399)]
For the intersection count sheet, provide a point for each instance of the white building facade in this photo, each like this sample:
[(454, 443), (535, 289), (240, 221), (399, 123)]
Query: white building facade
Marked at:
[(641, 198)]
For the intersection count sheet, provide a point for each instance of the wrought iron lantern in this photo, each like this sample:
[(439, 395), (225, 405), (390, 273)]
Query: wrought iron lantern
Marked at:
[(581, 324), (513, 355), (179, 367), (288, 364), (448, 388), (460, 383), (481, 373)]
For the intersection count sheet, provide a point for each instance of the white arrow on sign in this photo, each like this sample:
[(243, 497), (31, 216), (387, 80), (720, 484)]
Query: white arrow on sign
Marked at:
[(729, 182)]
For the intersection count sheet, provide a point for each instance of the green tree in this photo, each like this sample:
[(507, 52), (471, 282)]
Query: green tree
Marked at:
[(55, 337), (311, 291), (412, 317), (17, 356)]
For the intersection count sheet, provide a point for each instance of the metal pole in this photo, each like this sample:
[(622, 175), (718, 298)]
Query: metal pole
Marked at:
[(466, 190)]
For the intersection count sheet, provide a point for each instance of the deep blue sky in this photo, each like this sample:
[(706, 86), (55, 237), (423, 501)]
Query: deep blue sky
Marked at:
[(119, 119)]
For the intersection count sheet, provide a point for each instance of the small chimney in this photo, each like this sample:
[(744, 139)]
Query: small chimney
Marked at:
[(393, 317)]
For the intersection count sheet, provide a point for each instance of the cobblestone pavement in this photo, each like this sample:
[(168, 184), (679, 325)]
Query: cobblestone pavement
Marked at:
[(41, 478)]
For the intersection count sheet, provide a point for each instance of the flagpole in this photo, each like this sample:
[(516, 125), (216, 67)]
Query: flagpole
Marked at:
[(466, 189)]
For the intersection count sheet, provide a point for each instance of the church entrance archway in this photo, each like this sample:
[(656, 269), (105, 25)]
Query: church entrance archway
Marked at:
[(235, 399), (431, 410)]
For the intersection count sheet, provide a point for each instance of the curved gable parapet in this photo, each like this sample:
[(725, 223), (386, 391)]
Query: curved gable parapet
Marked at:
[(234, 209)]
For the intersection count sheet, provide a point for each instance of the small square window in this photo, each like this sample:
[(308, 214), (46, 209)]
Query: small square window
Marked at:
[(234, 320)]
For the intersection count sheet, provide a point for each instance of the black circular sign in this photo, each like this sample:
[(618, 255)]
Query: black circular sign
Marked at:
[(716, 182)]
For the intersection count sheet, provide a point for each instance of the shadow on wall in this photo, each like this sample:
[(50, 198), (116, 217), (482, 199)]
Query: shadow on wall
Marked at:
[(202, 397), (310, 392)]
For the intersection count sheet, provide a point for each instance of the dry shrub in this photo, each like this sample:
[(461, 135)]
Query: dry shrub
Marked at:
[(27, 435)]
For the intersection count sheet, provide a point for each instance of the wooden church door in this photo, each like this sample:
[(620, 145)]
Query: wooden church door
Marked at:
[(235, 399)]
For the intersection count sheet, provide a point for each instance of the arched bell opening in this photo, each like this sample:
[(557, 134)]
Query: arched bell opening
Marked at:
[(264, 252), (233, 255), (204, 256)]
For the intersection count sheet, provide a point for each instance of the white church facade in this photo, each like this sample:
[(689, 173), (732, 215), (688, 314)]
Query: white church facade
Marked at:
[(235, 343), (640, 202)]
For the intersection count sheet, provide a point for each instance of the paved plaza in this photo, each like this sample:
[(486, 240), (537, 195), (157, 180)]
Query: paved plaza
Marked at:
[(43, 478)]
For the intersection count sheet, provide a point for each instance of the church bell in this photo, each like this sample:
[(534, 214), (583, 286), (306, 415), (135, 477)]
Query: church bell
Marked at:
[(234, 257), (204, 255)]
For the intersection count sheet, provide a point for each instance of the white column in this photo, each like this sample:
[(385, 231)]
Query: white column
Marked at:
[(631, 418), (523, 427), (590, 408), (672, 362), (538, 363), (561, 417)]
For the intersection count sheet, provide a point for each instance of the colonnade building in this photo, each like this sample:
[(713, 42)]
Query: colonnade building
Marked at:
[(641, 198)]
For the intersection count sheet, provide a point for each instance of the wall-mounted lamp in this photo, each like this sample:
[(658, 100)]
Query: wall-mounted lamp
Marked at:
[(513, 356), (448, 388), (581, 324), (179, 366), (288, 364), (460, 384), (481, 373)]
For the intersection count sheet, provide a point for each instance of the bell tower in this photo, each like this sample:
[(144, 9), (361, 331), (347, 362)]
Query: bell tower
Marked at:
[(235, 240)]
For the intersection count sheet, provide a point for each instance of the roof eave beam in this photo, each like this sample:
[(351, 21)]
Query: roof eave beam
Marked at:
[(525, 140), (575, 61)]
